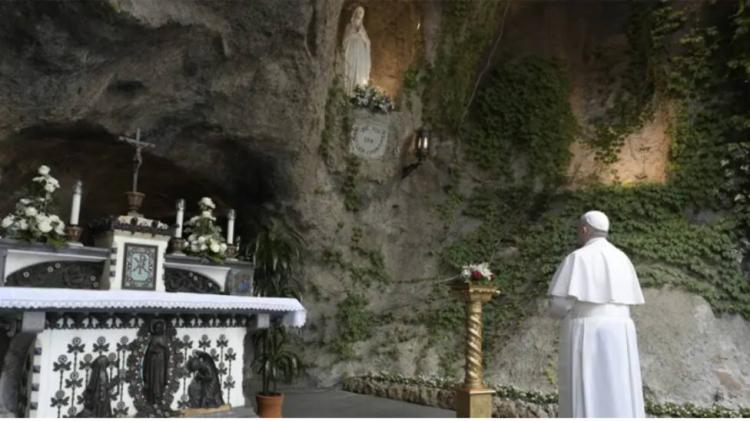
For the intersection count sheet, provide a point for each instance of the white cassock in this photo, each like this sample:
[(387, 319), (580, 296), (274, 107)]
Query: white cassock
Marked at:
[(599, 373)]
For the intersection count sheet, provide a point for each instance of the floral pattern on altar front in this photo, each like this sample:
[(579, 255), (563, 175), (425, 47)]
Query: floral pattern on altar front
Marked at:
[(74, 342), (74, 368)]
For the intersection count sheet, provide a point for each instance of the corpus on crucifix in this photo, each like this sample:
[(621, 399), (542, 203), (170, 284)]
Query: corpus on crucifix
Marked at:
[(137, 158), (135, 198)]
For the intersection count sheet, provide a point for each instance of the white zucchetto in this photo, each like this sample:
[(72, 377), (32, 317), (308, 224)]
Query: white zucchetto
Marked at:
[(596, 220), (598, 272)]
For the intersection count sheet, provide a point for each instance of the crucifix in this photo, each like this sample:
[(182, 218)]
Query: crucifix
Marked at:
[(138, 158)]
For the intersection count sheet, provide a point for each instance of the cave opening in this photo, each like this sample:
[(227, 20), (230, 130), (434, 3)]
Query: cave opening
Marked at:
[(232, 174)]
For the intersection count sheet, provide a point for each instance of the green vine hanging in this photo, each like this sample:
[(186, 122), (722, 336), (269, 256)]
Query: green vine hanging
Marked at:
[(522, 114)]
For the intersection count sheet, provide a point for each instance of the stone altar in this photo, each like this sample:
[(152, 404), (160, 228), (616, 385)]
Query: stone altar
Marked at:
[(86, 324)]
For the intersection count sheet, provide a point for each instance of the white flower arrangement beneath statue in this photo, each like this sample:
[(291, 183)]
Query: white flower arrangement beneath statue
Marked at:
[(479, 273), (372, 98), (204, 236), (32, 219)]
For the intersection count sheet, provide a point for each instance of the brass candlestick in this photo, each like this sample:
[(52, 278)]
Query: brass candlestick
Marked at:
[(73, 233), (231, 252), (135, 200), (473, 398), (178, 245)]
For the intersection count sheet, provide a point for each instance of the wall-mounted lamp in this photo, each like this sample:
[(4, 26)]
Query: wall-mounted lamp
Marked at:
[(422, 143)]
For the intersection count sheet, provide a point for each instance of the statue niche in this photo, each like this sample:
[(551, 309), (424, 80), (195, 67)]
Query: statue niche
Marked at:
[(378, 42), (98, 393), (356, 47), (204, 390), (155, 363)]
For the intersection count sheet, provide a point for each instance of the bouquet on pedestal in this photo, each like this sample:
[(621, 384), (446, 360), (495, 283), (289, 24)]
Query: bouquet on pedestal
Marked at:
[(477, 273), (204, 236), (31, 220)]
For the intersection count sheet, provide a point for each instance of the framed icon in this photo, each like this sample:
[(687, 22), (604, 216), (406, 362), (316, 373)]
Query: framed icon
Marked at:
[(139, 270)]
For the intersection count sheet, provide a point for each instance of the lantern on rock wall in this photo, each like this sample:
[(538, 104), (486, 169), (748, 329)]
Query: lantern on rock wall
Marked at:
[(421, 148), (422, 145)]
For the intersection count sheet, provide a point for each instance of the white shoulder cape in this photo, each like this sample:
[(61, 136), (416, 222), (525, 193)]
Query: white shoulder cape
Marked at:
[(597, 273)]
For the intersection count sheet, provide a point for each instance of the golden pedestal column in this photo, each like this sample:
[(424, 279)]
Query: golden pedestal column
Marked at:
[(473, 398)]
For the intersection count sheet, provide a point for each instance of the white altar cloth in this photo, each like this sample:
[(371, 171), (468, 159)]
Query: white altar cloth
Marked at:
[(63, 299)]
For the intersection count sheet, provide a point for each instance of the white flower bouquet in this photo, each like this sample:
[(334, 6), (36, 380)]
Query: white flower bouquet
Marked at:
[(204, 236), (479, 273), (32, 219), (142, 222), (371, 98)]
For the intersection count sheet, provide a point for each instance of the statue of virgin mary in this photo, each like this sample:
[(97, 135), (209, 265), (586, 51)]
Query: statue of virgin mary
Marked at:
[(356, 52)]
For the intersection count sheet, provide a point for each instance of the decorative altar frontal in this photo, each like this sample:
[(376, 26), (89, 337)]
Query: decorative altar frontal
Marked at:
[(77, 332), (142, 323)]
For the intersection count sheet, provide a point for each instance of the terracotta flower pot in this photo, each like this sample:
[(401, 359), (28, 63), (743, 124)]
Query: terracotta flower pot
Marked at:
[(269, 406)]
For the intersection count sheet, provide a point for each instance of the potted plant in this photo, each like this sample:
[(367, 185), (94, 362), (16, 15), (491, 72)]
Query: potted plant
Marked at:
[(275, 254), (273, 362)]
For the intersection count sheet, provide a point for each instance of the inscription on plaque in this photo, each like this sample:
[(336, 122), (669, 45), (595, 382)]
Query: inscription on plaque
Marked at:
[(369, 140)]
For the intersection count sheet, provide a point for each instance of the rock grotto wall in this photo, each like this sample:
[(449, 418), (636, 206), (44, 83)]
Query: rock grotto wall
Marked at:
[(240, 100), (186, 74)]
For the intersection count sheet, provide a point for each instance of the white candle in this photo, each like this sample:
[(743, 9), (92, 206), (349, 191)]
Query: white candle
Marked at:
[(180, 218), (75, 210), (230, 226)]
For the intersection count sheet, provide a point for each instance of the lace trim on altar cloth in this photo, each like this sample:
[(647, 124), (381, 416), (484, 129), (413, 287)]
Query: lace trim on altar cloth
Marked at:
[(22, 298)]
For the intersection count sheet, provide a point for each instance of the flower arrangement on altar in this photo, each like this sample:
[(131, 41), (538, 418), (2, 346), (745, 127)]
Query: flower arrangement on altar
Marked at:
[(32, 219), (477, 273), (372, 98), (204, 236), (141, 222)]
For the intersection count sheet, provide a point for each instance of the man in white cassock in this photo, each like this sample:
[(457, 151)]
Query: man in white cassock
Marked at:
[(599, 373)]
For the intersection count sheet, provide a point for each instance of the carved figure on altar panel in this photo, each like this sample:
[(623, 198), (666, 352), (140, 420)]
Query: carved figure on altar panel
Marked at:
[(155, 363), (98, 393), (204, 390)]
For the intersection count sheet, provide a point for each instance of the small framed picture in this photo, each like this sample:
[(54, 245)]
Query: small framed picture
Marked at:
[(139, 270)]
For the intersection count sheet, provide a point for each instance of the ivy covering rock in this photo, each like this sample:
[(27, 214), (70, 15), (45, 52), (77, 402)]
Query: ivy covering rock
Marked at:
[(525, 221)]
